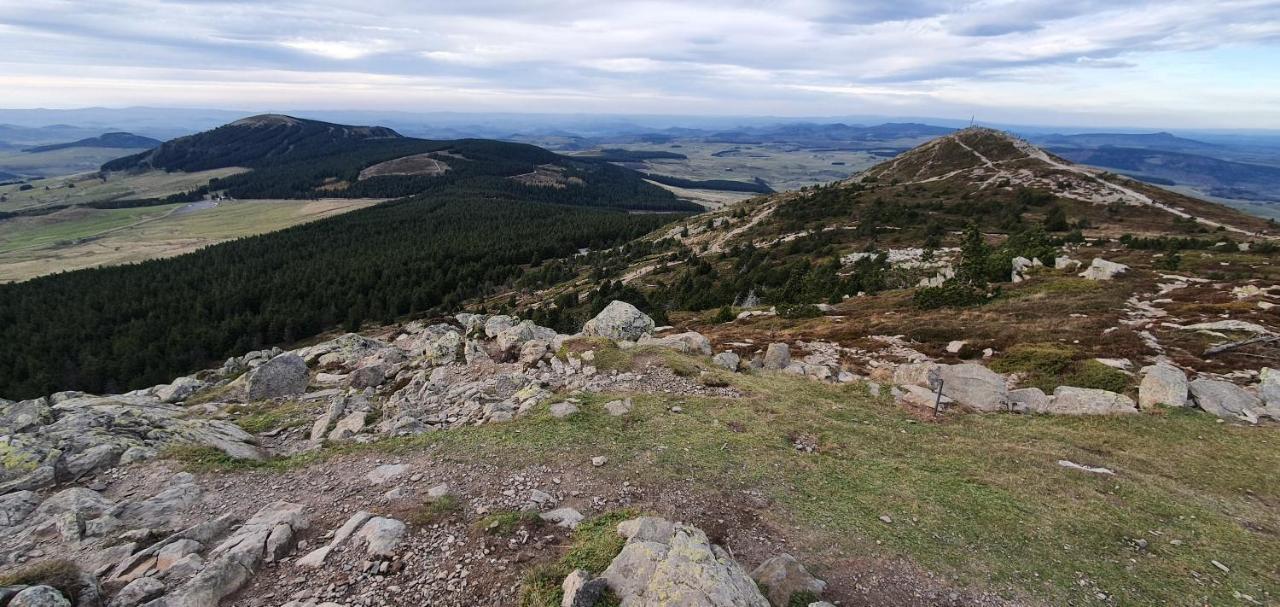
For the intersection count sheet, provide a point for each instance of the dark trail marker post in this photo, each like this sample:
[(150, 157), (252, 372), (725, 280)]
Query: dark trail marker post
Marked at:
[(937, 402)]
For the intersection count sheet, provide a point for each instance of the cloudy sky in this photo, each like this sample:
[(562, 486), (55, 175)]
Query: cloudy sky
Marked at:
[(1168, 63)]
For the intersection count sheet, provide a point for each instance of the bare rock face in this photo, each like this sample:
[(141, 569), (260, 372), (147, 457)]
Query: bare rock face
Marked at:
[(619, 320), (39, 596), (1163, 384), (284, 375), (1088, 401), (672, 564), (784, 576)]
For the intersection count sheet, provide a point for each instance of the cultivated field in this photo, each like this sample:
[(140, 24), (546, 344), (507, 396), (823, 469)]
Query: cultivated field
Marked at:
[(81, 238)]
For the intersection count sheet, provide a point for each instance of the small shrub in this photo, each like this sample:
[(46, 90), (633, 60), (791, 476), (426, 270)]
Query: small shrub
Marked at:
[(1036, 359), (435, 511), (949, 295), (199, 458), (1093, 374), (725, 314), (799, 311), (59, 574)]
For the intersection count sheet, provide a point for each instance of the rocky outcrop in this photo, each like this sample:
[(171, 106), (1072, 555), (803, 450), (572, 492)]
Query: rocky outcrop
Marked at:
[(84, 434), (284, 375), (1162, 384), (1102, 269), (619, 320), (664, 563)]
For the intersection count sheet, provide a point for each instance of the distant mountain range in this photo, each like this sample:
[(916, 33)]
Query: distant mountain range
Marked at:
[(105, 140)]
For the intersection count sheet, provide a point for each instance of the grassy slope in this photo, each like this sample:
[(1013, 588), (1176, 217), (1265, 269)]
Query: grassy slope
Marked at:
[(60, 162), (89, 188), (980, 497)]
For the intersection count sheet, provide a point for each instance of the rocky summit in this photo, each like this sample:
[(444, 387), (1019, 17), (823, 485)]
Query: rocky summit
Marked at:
[(973, 375)]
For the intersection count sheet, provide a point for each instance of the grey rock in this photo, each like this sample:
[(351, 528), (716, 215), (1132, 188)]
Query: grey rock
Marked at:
[(619, 407), (784, 576), (15, 507), (497, 324), (667, 564), (690, 342), (619, 321), (1102, 269), (926, 375), (381, 536), (137, 592), (1068, 400), (175, 551), (24, 415), (284, 375), (333, 412), (179, 390), (1269, 386), (438, 492), (368, 376), (92, 460), (39, 596), (316, 557), (1163, 384), (444, 349), (1029, 400), (532, 351), (386, 472), (974, 386), (580, 590), (563, 517), (777, 357), (562, 410), (349, 426), (727, 360), (1223, 399), (510, 340)]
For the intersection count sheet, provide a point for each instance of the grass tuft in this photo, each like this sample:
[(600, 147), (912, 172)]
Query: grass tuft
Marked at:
[(594, 544)]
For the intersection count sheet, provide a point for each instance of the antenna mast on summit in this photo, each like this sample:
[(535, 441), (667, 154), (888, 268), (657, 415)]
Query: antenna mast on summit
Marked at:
[(971, 120)]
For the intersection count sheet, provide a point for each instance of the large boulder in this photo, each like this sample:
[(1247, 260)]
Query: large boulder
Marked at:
[(926, 375), (1162, 384), (181, 389), (39, 596), (727, 360), (665, 564), (619, 320), (509, 340), (785, 577), (1068, 400), (690, 342), (284, 375), (15, 507), (1102, 269), (777, 357), (1029, 400), (1224, 399), (974, 386)]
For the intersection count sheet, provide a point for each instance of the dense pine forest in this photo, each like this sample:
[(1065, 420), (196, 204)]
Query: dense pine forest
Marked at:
[(118, 328)]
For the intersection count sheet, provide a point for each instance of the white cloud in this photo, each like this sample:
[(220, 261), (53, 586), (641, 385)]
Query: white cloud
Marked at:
[(788, 57)]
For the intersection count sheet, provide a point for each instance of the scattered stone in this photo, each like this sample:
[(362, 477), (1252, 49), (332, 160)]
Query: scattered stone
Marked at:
[(582, 591), (784, 577), (563, 517), (955, 346), (386, 472), (562, 410), (39, 596), (727, 360), (381, 536), (619, 407), (599, 461), (1074, 466), (1068, 400)]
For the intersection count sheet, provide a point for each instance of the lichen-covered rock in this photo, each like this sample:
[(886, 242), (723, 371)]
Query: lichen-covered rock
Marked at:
[(1029, 400), (179, 390), (727, 360), (1269, 386), (39, 596), (672, 564), (619, 320), (284, 375), (1163, 384)]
